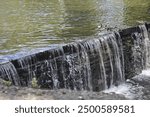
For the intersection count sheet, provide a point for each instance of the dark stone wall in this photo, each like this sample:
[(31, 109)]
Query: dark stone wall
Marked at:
[(133, 48)]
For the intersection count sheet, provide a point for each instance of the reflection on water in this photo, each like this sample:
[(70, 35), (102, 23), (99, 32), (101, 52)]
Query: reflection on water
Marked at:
[(136, 11), (40, 23)]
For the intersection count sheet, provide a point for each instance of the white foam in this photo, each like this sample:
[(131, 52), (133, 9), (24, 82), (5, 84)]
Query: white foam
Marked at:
[(127, 90), (146, 72), (122, 89)]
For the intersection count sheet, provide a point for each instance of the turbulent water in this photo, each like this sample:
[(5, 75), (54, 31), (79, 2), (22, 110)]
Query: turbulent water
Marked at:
[(138, 87)]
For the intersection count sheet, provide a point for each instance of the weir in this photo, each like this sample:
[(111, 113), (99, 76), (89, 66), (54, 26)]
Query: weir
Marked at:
[(93, 64)]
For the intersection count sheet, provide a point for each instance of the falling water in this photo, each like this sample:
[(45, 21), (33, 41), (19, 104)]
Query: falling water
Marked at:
[(8, 73), (137, 86), (147, 46), (94, 64)]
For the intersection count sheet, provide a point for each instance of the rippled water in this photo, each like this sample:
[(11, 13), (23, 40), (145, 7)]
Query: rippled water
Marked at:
[(27, 24)]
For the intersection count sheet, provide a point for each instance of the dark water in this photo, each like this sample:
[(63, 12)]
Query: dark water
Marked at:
[(28, 24)]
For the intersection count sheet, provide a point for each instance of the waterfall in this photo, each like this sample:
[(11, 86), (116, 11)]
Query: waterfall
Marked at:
[(146, 49), (8, 73), (94, 64)]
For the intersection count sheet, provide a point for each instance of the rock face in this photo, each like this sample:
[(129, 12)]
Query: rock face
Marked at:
[(94, 64)]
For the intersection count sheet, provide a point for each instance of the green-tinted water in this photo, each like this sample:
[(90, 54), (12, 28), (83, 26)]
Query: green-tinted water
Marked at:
[(39, 23)]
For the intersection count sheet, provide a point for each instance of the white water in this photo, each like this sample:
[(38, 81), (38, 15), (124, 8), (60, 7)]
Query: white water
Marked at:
[(130, 89), (9, 73), (74, 69), (91, 65), (146, 72), (147, 46)]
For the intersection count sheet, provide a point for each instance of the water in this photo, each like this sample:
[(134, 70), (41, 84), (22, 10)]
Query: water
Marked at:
[(28, 24), (138, 86), (135, 88), (9, 73), (147, 46), (95, 64), (146, 72)]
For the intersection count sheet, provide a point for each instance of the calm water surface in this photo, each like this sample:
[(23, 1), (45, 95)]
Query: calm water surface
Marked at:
[(28, 24)]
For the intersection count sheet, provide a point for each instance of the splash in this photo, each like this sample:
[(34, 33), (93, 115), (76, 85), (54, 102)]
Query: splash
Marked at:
[(146, 72)]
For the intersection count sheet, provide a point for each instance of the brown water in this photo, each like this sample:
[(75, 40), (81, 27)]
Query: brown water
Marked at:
[(27, 24)]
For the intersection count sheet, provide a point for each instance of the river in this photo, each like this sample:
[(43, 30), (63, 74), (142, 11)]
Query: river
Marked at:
[(29, 24)]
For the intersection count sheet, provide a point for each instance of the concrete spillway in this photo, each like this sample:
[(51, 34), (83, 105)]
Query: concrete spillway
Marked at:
[(93, 64)]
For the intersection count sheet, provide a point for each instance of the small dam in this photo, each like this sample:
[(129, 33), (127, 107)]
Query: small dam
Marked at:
[(92, 64)]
